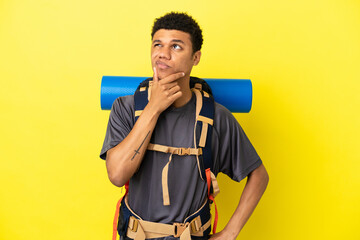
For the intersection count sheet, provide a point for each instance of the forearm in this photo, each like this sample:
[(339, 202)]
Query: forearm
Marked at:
[(253, 191), (123, 160)]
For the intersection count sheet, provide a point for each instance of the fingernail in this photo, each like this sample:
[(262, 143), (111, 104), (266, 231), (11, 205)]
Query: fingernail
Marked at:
[(183, 74)]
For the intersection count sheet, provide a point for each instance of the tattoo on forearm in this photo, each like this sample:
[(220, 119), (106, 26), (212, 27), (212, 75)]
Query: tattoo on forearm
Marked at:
[(137, 151)]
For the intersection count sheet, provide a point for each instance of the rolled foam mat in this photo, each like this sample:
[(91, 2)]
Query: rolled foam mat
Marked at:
[(234, 94)]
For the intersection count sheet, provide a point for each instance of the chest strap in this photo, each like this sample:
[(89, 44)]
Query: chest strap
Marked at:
[(174, 150), (165, 171)]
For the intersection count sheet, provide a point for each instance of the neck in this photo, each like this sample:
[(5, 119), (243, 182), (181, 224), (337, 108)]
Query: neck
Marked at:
[(184, 84)]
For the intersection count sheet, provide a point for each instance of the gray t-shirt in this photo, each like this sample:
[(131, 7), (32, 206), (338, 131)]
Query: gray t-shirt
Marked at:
[(232, 153)]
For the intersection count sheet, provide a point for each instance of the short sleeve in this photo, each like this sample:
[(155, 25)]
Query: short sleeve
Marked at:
[(121, 121), (233, 153)]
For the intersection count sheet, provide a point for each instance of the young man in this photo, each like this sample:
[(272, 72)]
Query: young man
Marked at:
[(168, 120)]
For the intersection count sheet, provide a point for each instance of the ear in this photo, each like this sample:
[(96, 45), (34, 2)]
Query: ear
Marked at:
[(196, 57)]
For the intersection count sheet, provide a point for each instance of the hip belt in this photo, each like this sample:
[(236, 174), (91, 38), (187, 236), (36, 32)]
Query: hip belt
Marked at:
[(198, 225)]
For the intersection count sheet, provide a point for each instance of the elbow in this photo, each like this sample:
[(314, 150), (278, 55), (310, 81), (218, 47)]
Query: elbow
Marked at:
[(261, 175), (115, 173), (116, 179), (265, 178)]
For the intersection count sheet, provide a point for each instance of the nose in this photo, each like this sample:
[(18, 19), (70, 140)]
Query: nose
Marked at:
[(164, 52)]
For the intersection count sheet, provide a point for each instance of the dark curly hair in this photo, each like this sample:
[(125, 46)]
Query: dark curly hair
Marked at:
[(182, 22)]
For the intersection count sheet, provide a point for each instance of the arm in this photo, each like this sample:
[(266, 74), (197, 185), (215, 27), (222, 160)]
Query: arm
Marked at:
[(123, 160), (254, 189)]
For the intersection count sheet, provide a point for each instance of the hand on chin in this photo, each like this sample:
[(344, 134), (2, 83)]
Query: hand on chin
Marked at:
[(163, 73)]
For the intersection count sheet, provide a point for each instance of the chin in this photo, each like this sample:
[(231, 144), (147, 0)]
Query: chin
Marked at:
[(164, 73)]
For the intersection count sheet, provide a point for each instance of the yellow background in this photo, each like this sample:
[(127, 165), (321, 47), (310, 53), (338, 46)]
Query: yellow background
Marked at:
[(302, 56)]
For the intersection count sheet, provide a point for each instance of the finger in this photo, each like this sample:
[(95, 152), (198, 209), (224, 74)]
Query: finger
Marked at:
[(173, 77), (155, 78), (174, 90), (175, 96), (168, 85)]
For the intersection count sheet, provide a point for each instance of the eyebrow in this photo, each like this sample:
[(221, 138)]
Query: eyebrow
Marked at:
[(178, 40), (174, 40)]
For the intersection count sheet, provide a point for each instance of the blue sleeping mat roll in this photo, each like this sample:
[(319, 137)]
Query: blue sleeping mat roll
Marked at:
[(234, 94)]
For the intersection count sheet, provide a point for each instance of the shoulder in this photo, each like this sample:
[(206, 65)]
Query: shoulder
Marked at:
[(223, 117), (123, 104), (123, 108)]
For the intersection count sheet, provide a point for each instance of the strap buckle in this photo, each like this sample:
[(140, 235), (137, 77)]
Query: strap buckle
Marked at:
[(134, 223), (195, 225), (184, 151), (179, 228)]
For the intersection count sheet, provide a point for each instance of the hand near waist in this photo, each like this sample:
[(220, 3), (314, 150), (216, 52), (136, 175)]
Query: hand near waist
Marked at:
[(222, 235)]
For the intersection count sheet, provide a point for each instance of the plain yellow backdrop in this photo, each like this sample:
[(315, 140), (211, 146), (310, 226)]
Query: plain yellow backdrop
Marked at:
[(303, 58)]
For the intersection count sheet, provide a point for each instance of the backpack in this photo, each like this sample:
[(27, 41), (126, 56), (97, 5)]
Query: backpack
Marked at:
[(199, 223)]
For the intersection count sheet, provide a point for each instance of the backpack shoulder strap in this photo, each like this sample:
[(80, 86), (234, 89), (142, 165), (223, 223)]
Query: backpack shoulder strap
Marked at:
[(203, 130), (142, 96), (204, 116)]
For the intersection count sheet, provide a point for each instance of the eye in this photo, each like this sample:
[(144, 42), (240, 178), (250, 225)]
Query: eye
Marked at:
[(177, 47), (157, 45)]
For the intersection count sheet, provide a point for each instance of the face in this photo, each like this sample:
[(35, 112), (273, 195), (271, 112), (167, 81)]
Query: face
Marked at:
[(171, 52)]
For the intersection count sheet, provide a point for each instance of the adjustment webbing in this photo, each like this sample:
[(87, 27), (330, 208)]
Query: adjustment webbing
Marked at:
[(203, 135), (174, 150), (165, 184), (165, 171)]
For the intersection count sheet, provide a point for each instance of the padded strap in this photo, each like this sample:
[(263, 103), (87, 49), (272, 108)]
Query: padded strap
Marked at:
[(199, 102)]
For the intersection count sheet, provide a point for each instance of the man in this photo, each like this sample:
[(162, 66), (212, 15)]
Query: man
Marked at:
[(168, 119)]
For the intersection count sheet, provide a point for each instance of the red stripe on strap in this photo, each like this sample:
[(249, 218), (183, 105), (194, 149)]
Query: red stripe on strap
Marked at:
[(116, 217), (211, 198), (208, 180), (216, 215)]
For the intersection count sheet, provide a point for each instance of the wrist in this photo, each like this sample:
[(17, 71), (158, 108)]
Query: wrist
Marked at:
[(230, 233), (152, 110)]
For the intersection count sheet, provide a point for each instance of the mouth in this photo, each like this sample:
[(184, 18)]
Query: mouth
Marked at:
[(162, 65)]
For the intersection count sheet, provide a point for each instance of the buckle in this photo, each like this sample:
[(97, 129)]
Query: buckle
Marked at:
[(184, 151), (135, 224), (179, 228), (195, 225)]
